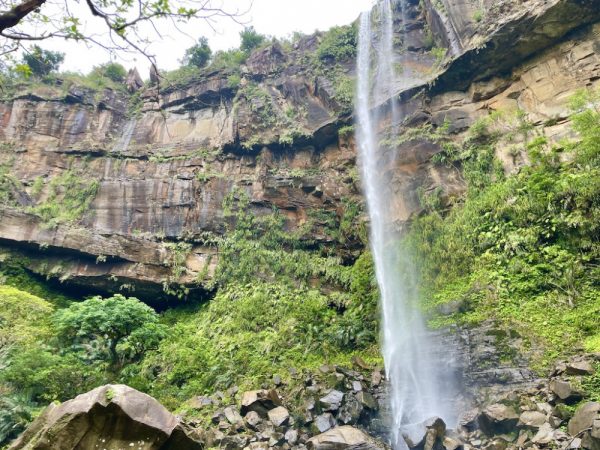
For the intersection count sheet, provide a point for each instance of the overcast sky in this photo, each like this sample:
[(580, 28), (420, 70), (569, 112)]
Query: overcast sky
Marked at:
[(277, 18)]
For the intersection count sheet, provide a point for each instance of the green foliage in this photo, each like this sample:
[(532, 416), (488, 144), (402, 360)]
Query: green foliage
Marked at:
[(439, 53), (13, 274), (250, 39), (234, 80), (338, 44), (346, 131), (111, 70), (280, 303), (521, 250), (9, 187), (69, 197), (229, 59), (120, 329), (16, 411), (199, 54), (23, 318), (42, 62), (243, 336)]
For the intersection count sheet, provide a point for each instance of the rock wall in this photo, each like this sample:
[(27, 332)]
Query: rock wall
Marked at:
[(165, 168)]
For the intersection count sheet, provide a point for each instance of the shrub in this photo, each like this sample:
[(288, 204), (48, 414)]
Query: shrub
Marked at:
[(121, 329), (250, 39), (113, 71), (198, 55), (522, 250), (42, 62), (339, 43)]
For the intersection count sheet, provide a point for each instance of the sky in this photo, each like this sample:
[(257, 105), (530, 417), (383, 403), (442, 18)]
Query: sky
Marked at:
[(278, 18)]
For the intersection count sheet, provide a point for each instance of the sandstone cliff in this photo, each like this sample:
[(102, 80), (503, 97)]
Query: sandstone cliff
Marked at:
[(150, 183)]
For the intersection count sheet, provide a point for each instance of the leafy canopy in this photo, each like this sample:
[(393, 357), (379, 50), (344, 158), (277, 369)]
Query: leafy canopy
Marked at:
[(42, 62), (122, 327), (251, 39), (198, 55)]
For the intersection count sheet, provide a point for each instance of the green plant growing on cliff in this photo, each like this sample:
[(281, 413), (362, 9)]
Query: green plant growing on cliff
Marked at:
[(41, 62), (120, 329), (176, 261), (338, 44), (198, 55), (9, 187), (69, 198), (522, 250), (250, 39)]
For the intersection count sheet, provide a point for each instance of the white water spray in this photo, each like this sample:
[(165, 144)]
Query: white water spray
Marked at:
[(123, 143), (418, 388)]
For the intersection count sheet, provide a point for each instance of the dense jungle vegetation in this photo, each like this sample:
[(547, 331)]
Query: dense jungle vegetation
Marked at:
[(520, 249)]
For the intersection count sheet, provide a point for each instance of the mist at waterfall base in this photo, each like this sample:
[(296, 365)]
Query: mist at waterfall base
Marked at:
[(420, 386)]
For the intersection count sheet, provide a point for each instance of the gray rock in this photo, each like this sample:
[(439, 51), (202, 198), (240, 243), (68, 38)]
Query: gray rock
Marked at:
[(545, 435), (323, 422), (291, 436), (564, 391), (252, 420), (260, 401), (127, 417), (344, 438), (580, 368), (332, 401), (424, 434), (276, 439), (584, 418), (200, 402), (452, 442), (279, 416), (498, 419), (356, 386), (350, 411), (232, 416), (258, 446), (376, 378), (367, 400), (532, 419)]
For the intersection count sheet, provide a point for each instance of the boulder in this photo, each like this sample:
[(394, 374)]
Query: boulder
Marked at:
[(332, 401), (580, 368), (584, 418), (252, 420), (564, 391), (323, 422), (498, 419), (532, 419), (260, 401), (279, 416), (342, 438), (545, 435), (232, 416), (424, 434), (291, 436), (111, 416), (367, 400), (350, 411)]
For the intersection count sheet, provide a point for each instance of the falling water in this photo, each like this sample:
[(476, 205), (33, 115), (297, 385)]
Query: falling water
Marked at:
[(123, 143), (418, 388)]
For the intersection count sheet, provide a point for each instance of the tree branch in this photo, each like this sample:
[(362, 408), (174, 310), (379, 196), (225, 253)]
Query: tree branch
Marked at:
[(12, 17)]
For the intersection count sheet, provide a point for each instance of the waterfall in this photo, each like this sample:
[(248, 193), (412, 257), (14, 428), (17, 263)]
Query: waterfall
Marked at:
[(419, 388), (123, 143)]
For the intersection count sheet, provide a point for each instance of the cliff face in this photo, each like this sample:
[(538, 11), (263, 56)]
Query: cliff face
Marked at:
[(152, 176)]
